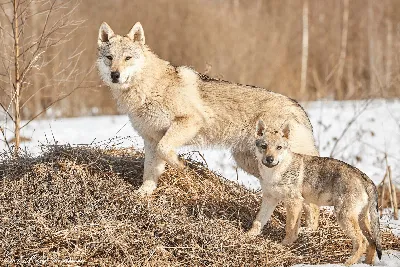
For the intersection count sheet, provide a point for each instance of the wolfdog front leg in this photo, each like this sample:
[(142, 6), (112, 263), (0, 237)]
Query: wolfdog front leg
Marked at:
[(153, 167), (181, 131)]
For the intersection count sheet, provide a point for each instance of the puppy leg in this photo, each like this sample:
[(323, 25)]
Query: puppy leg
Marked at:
[(311, 212), (182, 130), (348, 220), (293, 211), (365, 225), (268, 206), (301, 140)]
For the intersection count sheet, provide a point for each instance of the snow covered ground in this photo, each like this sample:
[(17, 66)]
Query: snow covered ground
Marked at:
[(390, 258), (358, 132)]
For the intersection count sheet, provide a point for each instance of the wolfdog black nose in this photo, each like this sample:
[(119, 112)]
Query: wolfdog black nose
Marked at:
[(115, 76), (269, 159)]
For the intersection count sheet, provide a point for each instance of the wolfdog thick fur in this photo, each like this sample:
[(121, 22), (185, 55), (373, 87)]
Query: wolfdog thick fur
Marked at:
[(295, 179), (173, 106)]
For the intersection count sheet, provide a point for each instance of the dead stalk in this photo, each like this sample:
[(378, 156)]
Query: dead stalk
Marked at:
[(383, 191), (392, 192)]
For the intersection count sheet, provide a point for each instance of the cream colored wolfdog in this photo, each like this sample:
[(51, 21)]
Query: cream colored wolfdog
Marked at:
[(295, 178), (175, 106)]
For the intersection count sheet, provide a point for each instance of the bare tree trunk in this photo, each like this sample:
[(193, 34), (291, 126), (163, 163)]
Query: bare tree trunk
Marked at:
[(351, 87), (343, 48), (304, 56), (371, 48), (17, 85), (389, 53)]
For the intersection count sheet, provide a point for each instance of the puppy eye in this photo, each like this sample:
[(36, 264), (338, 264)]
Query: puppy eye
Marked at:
[(127, 58), (263, 146), (109, 57), (279, 147)]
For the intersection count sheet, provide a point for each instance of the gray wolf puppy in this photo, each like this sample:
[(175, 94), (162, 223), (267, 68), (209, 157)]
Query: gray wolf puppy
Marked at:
[(173, 106), (296, 178)]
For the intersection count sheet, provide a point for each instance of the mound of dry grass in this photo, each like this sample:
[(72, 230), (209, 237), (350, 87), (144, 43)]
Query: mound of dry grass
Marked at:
[(76, 206)]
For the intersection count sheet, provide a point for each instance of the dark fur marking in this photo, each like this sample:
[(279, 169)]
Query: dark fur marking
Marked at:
[(207, 78)]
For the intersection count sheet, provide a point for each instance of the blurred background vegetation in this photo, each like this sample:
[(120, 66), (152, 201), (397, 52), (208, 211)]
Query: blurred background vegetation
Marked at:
[(352, 50)]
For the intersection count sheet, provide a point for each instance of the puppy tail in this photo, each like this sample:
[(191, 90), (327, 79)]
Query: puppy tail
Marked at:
[(374, 219)]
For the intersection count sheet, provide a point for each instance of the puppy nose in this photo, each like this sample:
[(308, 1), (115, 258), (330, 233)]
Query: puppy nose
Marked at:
[(269, 159), (115, 76)]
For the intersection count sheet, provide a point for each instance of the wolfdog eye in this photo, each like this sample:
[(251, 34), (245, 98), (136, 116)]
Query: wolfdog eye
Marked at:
[(263, 146), (279, 147), (109, 57), (127, 58)]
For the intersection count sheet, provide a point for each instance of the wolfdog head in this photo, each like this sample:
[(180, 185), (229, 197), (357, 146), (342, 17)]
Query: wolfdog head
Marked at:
[(120, 58), (272, 146)]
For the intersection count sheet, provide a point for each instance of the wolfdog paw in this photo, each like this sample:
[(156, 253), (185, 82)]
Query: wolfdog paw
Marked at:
[(287, 241), (171, 158), (177, 164), (255, 230), (146, 189)]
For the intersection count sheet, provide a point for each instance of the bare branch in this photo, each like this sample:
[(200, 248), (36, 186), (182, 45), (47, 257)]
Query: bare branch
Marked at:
[(8, 33), (351, 122), (29, 67), (60, 98), (5, 13), (5, 139), (6, 111), (6, 3)]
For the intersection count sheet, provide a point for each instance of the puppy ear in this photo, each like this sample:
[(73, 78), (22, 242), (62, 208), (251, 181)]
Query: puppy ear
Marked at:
[(137, 33), (260, 128), (105, 33), (286, 131)]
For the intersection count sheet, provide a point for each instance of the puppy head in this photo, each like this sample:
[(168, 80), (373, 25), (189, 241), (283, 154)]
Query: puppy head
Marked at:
[(271, 145)]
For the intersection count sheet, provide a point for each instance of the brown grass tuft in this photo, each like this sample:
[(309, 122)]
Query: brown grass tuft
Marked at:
[(76, 206)]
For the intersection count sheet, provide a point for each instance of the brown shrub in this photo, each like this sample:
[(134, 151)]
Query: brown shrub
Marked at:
[(386, 197)]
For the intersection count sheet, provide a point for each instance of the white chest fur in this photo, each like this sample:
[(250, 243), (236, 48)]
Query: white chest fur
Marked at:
[(272, 182)]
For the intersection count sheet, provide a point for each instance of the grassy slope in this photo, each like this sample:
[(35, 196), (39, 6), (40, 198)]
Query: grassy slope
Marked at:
[(76, 205)]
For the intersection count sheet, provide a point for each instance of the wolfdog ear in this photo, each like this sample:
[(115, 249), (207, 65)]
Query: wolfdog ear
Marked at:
[(105, 33), (260, 128), (286, 130), (137, 33)]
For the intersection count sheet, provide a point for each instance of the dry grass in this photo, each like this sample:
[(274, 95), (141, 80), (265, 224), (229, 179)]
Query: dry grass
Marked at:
[(76, 206)]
